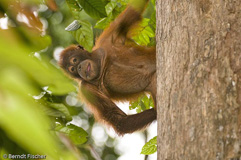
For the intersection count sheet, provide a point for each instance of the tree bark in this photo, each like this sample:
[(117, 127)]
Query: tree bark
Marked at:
[(199, 79)]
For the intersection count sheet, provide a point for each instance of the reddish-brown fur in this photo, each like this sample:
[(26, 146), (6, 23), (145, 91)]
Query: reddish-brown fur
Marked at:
[(125, 71)]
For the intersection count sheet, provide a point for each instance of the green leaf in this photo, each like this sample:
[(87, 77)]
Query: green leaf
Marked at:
[(20, 116), (75, 8), (151, 104), (95, 8), (150, 147), (153, 2), (144, 102), (153, 20), (45, 74), (40, 42), (133, 105), (34, 41), (84, 35), (113, 9), (110, 7), (58, 110), (104, 22), (143, 33), (142, 105), (75, 133)]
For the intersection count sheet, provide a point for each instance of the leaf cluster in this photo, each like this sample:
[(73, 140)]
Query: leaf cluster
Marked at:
[(37, 101), (144, 102), (103, 13)]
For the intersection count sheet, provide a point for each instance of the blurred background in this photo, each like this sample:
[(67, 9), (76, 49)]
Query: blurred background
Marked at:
[(40, 113)]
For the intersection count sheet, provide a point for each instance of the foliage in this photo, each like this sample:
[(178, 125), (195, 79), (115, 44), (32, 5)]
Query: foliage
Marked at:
[(37, 102), (93, 8), (84, 34), (144, 102), (150, 147), (113, 9), (143, 33), (105, 14), (36, 99), (76, 134)]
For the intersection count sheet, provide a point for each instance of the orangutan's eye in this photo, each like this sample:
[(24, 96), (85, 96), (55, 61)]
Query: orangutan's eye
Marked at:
[(73, 60), (71, 69)]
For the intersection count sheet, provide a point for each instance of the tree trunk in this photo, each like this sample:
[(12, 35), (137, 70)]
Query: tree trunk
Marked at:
[(199, 79)]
